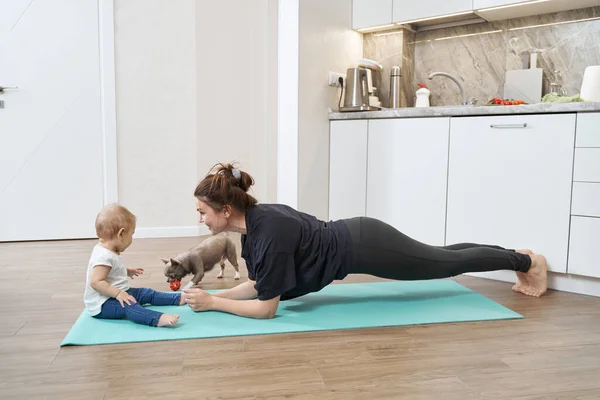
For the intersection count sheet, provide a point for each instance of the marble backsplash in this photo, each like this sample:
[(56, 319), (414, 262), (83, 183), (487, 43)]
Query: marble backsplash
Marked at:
[(480, 54)]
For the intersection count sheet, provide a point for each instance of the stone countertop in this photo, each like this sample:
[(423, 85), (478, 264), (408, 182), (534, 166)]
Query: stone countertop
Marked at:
[(462, 111)]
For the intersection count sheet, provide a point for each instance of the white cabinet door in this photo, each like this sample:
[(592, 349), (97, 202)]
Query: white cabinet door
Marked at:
[(479, 4), (368, 13), (584, 252), (347, 169), (408, 10), (509, 183), (588, 130), (407, 175)]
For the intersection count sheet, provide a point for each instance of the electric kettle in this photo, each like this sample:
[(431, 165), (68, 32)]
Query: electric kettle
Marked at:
[(356, 96)]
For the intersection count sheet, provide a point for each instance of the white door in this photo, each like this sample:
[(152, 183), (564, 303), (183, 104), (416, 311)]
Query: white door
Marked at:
[(347, 169), (407, 175), (509, 183), (51, 149)]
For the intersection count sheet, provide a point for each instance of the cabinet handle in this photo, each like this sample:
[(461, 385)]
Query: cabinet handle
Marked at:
[(509, 126)]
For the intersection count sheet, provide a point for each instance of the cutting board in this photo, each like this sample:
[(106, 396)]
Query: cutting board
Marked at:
[(524, 84)]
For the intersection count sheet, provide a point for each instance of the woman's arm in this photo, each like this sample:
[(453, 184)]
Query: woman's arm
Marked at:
[(199, 300), (243, 291)]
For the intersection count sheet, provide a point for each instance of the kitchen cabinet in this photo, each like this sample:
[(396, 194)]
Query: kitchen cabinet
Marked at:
[(347, 169), (587, 165), (479, 4), (586, 199), (487, 9), (407, 174), (588, 130), (509, 183), (584, 252), (408, 10), (369, 13)]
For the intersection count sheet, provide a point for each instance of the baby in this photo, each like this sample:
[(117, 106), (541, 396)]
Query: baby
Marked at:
[(107, 292)]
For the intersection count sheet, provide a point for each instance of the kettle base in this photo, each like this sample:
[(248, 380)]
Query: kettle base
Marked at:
[(359, 108)]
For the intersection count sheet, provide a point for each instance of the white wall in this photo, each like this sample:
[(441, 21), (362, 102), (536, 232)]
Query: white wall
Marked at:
[(287, 102), (155, 63), (195, 84), (327, 43), (234, 89)]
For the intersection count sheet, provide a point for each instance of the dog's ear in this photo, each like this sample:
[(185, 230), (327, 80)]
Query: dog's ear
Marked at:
[(175, 262), (164, 260)]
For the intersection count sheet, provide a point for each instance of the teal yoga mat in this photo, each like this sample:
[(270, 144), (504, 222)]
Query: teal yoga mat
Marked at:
[(338, 306)]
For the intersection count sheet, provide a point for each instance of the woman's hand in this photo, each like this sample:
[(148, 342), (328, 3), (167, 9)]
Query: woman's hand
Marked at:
[(123, 296), (133, 272), (198, 299)]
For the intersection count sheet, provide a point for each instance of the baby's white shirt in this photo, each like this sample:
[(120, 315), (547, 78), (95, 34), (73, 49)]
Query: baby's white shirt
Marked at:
[(117, 277)]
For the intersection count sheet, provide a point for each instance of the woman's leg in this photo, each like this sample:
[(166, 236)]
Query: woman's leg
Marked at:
[(462, 246), (383, 251)]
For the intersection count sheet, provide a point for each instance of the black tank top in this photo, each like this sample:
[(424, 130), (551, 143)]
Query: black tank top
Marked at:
[(290, 253)]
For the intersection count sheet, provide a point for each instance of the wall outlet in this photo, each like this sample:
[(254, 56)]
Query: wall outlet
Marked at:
[(333, 78)]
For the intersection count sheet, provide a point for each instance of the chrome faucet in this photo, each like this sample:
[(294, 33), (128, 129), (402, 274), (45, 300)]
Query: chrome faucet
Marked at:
[(452, 77)]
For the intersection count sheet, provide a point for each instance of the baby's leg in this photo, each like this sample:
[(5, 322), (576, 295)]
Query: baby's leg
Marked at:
[(112, 309), (141, 315), (149, 296)]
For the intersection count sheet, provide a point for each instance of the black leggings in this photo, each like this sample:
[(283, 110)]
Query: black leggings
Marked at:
[(381, 250)]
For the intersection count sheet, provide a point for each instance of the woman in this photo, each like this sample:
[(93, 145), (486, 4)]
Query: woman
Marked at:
[(289, 253)]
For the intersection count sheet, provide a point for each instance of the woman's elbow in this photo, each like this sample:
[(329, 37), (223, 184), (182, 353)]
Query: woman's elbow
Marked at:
[(268, 311), (270, 314)]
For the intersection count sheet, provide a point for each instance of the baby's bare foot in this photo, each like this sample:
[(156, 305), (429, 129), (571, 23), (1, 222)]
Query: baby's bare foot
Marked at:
[(521, 276), (537, 277), (167, 320), (181, 300)]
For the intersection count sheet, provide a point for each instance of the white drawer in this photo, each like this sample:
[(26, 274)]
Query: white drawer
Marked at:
[(586, 199), (584, 251), (588, 130), (587, 165)]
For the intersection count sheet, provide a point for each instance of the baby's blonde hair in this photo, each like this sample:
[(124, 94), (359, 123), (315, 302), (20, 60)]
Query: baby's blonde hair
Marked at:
[(111, 219)]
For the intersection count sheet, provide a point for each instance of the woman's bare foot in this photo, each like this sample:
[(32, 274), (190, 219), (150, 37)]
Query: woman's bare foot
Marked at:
[(537, 277), (521, 276), (167, 320)]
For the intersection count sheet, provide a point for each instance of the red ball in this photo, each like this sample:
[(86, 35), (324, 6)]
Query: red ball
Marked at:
[(175, 285)]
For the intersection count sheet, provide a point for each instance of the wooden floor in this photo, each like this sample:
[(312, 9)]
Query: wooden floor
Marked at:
[(554, 353)]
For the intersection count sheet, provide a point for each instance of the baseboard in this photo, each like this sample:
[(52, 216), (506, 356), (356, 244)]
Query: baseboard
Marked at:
[(171, 231), (563, 282)]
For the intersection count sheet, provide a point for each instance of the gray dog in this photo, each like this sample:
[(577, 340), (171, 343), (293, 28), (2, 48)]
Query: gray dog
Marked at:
[(201, 259)]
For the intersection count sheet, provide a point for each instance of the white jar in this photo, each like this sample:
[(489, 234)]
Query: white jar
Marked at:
[(422, 96)]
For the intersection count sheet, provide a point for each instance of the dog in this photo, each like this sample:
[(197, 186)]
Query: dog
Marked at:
[(201, 259)]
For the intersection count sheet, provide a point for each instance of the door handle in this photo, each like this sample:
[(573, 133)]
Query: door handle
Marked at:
[(3, 88), (509, 126)]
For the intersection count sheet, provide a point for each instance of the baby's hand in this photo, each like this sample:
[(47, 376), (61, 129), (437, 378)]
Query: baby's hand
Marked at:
[(133, 272), (125, 297)]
